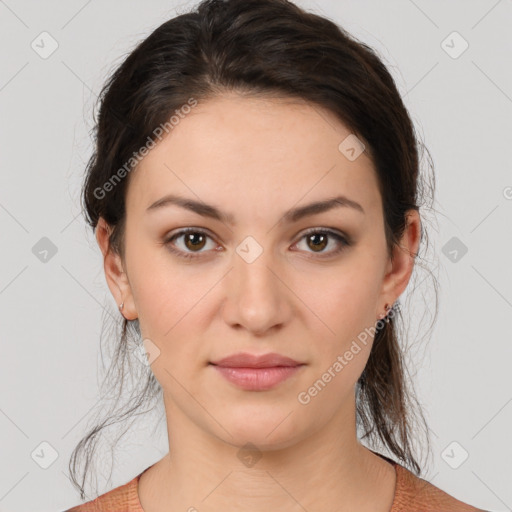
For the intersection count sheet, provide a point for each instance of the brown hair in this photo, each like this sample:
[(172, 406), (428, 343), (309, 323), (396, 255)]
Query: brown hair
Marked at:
[(261, 47)]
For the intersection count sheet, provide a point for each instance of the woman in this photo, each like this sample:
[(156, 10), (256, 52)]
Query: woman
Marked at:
[(255, 195)]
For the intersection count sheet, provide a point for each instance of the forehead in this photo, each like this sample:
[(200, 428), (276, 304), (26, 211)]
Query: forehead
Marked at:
[(249, 151)]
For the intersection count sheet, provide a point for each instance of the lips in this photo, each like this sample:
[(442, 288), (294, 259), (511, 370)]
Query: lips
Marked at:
[(246, 360), (257, 373)]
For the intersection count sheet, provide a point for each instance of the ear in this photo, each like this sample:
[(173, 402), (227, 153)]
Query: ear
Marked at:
[(115, 275), (400, 267)]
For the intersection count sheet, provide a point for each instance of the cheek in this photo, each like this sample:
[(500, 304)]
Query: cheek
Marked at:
[(164, 293), (170, 315), (171, 305), (345, 300), (346, 306)]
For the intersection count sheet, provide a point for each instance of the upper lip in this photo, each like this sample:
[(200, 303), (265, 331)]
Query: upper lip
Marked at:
[(245, 360)]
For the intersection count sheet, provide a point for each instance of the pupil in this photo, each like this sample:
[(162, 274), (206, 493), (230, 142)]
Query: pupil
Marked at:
[(320, 244), (191, 239)]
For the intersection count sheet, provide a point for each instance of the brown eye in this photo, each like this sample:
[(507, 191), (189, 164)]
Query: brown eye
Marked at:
[(192, 241), (318, 239)]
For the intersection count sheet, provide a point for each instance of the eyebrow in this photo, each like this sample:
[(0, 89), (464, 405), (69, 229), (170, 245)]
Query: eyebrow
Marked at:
[(292, 215)]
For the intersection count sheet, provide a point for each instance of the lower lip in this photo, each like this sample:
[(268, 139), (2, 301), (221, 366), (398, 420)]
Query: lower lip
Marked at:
[(257, 379)]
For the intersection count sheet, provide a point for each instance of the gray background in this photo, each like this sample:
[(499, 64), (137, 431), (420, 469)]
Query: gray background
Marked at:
[(51, 312)]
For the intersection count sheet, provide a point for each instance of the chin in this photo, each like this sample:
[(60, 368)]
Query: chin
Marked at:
[(267, 432)]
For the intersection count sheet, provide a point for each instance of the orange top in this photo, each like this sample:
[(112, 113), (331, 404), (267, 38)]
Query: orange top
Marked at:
[(412, 494)]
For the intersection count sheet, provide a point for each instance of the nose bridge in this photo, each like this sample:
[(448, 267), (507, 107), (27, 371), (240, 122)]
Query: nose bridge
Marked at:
[(256, 295)]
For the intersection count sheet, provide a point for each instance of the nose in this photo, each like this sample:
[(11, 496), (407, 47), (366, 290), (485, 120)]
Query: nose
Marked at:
[(256, 295)]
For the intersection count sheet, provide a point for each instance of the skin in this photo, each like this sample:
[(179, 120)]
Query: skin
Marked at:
[(255, 158)]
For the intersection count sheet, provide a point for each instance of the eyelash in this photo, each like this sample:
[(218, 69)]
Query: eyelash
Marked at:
[(344, 241)]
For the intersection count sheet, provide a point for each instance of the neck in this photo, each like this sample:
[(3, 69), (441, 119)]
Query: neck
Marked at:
[(328, 469)]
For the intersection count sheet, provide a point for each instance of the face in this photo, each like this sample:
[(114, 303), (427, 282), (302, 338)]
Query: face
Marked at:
[(251, 276)]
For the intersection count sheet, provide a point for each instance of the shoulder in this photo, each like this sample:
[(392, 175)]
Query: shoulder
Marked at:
[(124, 497), (415, 493)]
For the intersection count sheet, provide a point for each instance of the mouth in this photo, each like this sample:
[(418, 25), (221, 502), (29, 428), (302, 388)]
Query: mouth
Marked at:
[(257, 373)]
